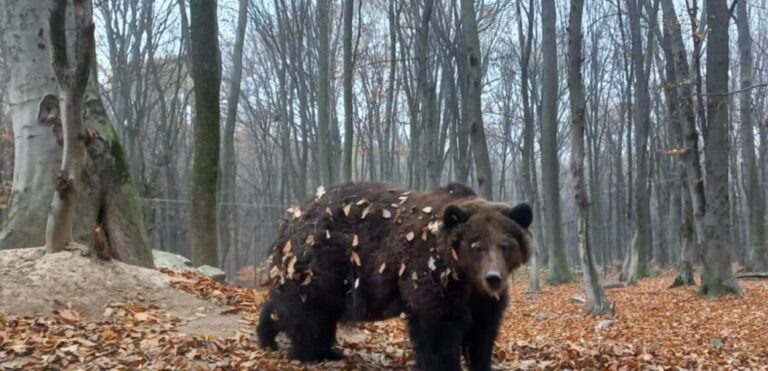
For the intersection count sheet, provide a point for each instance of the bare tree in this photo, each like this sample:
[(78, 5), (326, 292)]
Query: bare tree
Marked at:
[(348, 128), (206, 74), (227, 198), (717, 276), (636, 261), (679, 101), (323, 94), (72, 81), (758, 251), (597, 303), (558, 265), (110, 200)]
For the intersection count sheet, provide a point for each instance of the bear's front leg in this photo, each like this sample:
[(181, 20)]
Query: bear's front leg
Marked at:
[(436, 343), (487, 314)]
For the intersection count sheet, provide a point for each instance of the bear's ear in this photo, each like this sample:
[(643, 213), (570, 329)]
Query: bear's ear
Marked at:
[(521, 214), (453, 216)]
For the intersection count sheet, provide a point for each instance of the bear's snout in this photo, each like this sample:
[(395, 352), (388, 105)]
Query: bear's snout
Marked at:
[(493, 279)]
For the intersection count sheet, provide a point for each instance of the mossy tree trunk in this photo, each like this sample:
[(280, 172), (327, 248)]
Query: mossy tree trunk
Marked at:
[(206, 74), (109, 198)]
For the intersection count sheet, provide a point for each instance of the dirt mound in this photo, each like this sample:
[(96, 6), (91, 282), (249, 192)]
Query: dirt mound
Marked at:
[(35, 283)]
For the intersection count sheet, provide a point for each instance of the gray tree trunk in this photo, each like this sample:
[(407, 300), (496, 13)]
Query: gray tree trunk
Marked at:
[(636, 263), (676, 98), (427, 99), (558, 265), (528, 161), (227, 197), (109, 199), (72, 78), (323, 94), (206, 74), (597, 303), (348, 128), (758, 246), (717, 277), (473, 100)]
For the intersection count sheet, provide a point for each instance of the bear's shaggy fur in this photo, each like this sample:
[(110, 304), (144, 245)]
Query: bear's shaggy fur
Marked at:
[(370, 251)]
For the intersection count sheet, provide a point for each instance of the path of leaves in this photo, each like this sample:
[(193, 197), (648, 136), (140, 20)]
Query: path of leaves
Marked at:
[(653, 328)]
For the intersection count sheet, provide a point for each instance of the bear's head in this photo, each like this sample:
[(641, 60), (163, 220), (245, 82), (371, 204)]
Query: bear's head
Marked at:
[(491, 241)]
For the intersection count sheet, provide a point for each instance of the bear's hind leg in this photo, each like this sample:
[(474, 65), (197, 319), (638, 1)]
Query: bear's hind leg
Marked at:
[(267, 328)]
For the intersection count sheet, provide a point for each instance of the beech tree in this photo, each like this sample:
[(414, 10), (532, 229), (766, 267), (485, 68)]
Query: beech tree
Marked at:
[(206, 74), (109, 199)]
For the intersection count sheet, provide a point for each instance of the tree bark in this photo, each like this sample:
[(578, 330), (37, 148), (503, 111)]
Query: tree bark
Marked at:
[(473, 100), (72, 81), (206, 74), (109, 198), (758, 248), (597, 303), (717, 277), (636, 264), (348, 128), (323, 94), (227, 197), (528, 161), (558, 265)]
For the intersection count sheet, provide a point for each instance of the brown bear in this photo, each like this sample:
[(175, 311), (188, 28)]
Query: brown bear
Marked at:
[(370, 251)]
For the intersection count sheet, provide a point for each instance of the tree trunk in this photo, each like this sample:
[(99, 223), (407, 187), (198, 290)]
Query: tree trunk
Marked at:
[(597, 303), (717, 277), (227, 209), (528, 161), (348, 129), (758, 254), (558, 265), (109, 199), (206, 74), (427, 99), (474, 118), (636, 265), (72, 82), (676, 98), (323, 94)]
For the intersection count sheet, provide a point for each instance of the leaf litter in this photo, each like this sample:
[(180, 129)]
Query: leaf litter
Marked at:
[(653, 328)]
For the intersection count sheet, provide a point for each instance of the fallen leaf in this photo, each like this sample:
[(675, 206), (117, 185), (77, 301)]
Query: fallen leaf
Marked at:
[(386, 214), (356, 259), (409, 236), (402, 269), (347, 209), (382, 267)]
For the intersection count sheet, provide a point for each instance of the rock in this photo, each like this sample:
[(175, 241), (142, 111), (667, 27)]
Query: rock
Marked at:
[(716, 343), (542, 316), (604, 324), (168, 260), (213, 273)]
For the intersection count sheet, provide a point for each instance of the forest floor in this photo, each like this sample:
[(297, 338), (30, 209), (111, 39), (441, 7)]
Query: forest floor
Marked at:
[(65, 311)]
